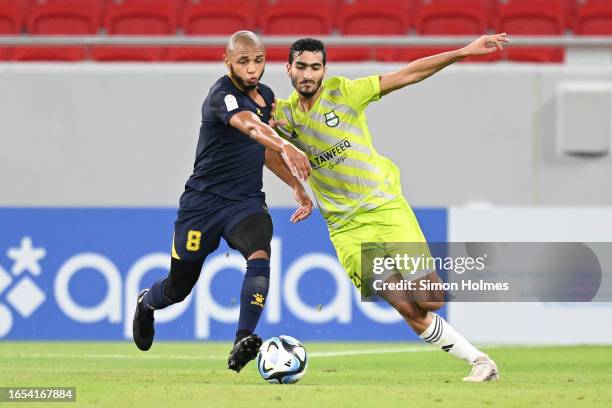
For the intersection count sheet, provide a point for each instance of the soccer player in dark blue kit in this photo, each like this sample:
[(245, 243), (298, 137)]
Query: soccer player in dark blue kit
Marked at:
[(223, 196)]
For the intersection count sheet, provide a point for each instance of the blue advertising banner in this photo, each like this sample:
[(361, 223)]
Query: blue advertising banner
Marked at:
[(75, 273)]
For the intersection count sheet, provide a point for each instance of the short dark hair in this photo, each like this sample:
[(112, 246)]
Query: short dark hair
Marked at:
[(307, 44)]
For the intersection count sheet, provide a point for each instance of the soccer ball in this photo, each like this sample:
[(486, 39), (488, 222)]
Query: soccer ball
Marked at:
[(282, 360)]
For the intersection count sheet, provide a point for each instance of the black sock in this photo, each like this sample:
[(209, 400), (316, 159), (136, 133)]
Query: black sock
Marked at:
[(253, 295)]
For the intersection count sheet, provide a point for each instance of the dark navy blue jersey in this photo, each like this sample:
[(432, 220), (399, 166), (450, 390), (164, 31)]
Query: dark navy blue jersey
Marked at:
[(229, 163)]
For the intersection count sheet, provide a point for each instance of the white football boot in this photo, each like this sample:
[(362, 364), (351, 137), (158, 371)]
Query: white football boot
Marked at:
[(483, 369)]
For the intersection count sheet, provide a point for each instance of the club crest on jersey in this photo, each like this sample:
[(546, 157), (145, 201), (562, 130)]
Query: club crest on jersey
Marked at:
[(331, 119)]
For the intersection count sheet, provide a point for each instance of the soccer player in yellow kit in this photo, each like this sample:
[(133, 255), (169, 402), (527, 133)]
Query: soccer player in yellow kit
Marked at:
[(357, 190)]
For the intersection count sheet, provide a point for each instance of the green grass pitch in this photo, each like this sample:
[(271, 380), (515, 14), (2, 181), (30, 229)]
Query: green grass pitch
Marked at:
[(374, 375)]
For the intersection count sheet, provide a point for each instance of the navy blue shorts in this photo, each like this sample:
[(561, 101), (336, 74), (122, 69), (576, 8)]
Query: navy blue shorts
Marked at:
[(203, 218)]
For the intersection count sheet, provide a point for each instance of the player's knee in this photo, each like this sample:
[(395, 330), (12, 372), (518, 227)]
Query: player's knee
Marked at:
[(176, 293), (259, 254), (252, 236), (430, 300), (182, 278)]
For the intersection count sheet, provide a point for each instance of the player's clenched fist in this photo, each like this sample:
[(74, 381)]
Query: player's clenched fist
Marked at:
[(296, 161)]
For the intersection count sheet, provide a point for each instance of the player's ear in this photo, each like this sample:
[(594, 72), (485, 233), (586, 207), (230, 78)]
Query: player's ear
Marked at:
[(226, 61), (288, 66)]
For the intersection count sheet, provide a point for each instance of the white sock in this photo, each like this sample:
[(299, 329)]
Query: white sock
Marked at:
[(442, 335)]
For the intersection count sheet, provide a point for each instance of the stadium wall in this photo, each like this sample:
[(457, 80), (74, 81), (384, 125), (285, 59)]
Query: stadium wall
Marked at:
[(125, 135)]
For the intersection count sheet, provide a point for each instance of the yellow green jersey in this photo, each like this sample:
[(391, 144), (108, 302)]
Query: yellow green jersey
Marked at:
[(348, 175)]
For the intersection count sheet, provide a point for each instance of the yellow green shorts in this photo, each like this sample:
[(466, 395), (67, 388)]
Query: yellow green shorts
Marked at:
[(387, 228)]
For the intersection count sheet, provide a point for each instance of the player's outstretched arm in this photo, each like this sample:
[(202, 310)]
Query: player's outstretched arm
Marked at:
[(423, 68), (276, 164), (249, 124)]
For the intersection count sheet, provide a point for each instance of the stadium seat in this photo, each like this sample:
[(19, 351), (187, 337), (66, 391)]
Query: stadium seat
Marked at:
[(350, 54), (195, 54), (48, 53), (10, 18), (218, 17), (453, 17), (140, 17), (445, 17), (296, 17), (533, 17), (594, 18), (492, 7), (371, 17), (276, 53), (136, 17), (570, 8), (127, 54), (63, 17), (6, 53)]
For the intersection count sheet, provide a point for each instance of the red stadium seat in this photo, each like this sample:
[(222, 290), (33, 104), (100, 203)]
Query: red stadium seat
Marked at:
[(453, 17), (297, 17), (492, 7), (195, 54), (63, 17), (570, 8), (350, 54), (218, 17), (533, 17), (137, 17), (47, 53), (445, 17), (10, 18), (594, 18), (371, 17), (127, 54), (6, 53), (141, 17), (275, 53)]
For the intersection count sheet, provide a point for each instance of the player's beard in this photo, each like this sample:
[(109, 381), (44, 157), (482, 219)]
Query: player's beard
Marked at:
[(244, 84), (310, 94)]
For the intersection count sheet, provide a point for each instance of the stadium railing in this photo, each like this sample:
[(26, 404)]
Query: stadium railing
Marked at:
[(593, 49)]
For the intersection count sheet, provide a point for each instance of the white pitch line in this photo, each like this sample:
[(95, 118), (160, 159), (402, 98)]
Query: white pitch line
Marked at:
[(315, 354), (370, 351), (214, 357), (121, 356)]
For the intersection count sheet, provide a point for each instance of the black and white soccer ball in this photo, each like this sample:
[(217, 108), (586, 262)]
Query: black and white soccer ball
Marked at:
[(282, 360)]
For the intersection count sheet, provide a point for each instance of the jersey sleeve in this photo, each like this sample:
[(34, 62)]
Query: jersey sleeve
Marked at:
[(360, 92), (224, 104), (283, 112)]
